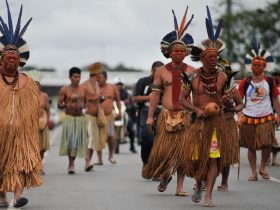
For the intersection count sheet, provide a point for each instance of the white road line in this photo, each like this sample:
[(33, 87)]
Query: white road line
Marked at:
[(274, 179)]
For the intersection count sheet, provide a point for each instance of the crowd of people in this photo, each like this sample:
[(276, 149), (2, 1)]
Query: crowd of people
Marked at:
[(191, 121)]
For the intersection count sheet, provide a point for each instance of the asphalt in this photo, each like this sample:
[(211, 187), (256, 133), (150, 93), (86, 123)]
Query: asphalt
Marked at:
[(120, 186)]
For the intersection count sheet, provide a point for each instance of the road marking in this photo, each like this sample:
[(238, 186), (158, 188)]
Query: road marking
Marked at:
[(274, 179)]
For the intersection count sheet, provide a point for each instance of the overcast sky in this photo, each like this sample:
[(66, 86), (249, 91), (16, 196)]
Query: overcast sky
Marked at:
[(66, 33)]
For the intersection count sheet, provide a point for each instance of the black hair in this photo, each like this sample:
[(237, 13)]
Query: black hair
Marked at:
[(74, 70), (104, 73), (157, 64)]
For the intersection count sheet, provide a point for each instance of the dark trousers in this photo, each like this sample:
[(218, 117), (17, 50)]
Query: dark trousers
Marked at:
[(147, 139)]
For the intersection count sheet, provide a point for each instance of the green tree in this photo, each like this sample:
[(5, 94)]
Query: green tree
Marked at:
[(240, 26)]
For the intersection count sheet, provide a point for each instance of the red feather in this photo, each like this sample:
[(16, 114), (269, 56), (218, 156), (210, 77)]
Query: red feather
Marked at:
[(182, 26)]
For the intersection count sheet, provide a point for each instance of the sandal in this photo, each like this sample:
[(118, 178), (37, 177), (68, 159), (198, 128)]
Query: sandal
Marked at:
[(88, 168), (98, 164), (112, 161), (22, 201), (181, 193), (222, 188), (196, 197), (4, 205), (264, 175), (163, 184), (209, 203), (253, 178)]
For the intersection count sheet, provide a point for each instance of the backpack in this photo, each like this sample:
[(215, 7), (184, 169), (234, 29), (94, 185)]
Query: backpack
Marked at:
[(270, 84)]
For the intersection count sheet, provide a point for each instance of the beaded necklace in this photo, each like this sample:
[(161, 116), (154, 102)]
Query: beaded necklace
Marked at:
[(209, 81)]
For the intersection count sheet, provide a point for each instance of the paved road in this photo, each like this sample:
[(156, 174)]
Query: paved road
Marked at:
[(120, 187)]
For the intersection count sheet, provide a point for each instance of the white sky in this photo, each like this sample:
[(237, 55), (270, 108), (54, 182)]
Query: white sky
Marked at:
[(66, 33)]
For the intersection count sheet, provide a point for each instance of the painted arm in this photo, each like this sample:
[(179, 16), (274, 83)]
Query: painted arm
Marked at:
[(154, 98), (184, 94)]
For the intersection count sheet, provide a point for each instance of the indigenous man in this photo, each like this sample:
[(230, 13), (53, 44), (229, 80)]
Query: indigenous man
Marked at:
[(44, 116), (92, 102), (20, 163), (231, 99), (172, 120), (141, 96), (109, 94), (257, 131), (74, 139), (205, 144)]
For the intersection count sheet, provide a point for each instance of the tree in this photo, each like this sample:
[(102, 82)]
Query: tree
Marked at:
[(240, 26)]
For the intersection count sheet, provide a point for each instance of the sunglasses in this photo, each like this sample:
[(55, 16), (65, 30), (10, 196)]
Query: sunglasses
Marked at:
[(92, 75)]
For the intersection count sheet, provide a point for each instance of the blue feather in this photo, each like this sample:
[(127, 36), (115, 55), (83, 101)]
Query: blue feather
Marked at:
[(218, 31), (10, 22), (6, 30), (24, 28), (175, 22), (187, 39), (210, 23), (209, 30), (255, 44), (17, 29)]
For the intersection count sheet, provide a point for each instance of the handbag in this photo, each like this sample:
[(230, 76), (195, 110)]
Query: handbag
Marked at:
[(101, 118)]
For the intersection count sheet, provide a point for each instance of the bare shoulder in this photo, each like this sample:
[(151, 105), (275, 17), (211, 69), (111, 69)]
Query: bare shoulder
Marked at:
[(45, 95), (222, 75), (84, 84)]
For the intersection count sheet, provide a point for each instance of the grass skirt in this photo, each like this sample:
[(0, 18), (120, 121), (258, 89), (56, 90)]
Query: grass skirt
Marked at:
[(74, 137), (233, 140), (198, 141), (164, 154), (257, 136), (20, 161), (96, 138)]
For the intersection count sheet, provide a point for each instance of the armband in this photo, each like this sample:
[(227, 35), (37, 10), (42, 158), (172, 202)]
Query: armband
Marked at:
[(156, 87), (186, 87)]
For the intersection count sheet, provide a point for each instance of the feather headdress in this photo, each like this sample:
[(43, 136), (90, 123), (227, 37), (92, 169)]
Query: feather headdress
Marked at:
[(260, 54), (213, 41), (11, 40), (178, 36)]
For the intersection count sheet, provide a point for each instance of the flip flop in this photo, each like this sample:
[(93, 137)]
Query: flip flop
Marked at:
[(222, 188), (112, 161), (203, 187), (163, 184), (196, 197), (264, 175), (209, 203), (98, 164), (88, 168), (181, 193), (253, 178), (22, 201), (4, 205)]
